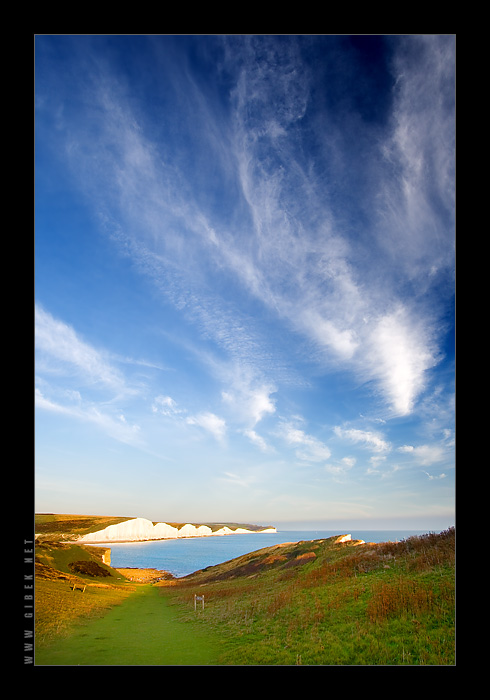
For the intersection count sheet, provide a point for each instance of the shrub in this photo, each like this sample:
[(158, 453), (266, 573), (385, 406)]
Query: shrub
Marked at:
[(89, 568)]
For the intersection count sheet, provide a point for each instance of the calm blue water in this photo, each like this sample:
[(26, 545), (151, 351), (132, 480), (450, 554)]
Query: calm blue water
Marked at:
[(184, 556)]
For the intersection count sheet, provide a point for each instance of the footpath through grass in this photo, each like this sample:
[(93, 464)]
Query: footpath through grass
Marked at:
[(144, 630)]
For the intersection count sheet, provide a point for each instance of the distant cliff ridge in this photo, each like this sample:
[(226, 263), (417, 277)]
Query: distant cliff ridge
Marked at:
[(140, 529)]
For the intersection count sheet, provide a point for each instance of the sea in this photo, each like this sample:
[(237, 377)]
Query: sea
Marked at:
[(183, 556)]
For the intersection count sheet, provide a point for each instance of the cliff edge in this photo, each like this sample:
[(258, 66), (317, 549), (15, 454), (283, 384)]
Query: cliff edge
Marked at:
[(141, 529)]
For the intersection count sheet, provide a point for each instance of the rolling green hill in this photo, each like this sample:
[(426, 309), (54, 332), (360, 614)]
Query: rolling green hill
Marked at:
[(321, 602)]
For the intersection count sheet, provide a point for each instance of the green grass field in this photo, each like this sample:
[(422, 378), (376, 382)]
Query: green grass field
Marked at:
[(143, 630)]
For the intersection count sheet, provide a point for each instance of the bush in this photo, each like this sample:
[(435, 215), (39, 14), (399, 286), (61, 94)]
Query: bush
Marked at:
[(89, 568)]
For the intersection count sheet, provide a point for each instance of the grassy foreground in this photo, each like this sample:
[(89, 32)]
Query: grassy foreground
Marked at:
[(318, 602), (90, 614), (143, 630)]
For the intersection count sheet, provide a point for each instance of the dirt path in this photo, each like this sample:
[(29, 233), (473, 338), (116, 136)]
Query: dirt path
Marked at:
[(144, 630)]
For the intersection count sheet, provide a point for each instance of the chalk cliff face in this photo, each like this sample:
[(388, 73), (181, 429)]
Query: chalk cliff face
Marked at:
[(140, 529)]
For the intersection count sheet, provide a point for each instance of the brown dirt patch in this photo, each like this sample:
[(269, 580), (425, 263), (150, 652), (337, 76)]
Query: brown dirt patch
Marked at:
[(306, 556), (300, 559), (145, 575), (273, 558)]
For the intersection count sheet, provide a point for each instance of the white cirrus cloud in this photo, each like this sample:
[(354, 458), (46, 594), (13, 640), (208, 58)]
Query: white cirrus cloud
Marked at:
[(291, 249), (211, 423), (369, 439), (348, 462), (431, 477), (61, 350), (235, 479), (398, 354), (166, 406), (250, 403), (257, 440), (307, 447), (428, 454), (116, 427)]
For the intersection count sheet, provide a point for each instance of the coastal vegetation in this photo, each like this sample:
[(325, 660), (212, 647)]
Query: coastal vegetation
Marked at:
[(325, 603), (317, 602)]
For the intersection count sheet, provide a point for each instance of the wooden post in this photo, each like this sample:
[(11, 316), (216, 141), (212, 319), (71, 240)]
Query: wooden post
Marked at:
[(196, 598)]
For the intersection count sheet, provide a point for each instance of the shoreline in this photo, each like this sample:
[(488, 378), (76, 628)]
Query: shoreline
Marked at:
[(161, 539), (143, 530), (145, 575)]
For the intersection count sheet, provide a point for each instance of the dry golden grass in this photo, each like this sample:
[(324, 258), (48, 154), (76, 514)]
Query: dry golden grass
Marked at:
[(58, 608)]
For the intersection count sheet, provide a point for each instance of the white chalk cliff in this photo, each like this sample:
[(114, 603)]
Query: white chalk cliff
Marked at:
[(140, 529)]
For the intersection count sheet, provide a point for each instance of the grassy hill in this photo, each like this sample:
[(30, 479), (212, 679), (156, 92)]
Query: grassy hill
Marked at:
[(317, 602), (321, 602), (55, 526)]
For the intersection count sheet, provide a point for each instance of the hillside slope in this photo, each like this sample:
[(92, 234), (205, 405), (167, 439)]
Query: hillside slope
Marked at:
[(324, 602), (72, 583)]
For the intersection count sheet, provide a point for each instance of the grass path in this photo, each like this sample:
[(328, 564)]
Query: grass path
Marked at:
[(144, 630)]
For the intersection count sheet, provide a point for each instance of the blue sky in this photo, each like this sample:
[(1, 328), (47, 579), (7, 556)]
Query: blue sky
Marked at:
[(244, 278)]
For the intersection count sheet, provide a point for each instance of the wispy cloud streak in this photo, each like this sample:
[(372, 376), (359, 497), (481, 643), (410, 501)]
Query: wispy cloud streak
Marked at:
[(288, 240), (61, 349)]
